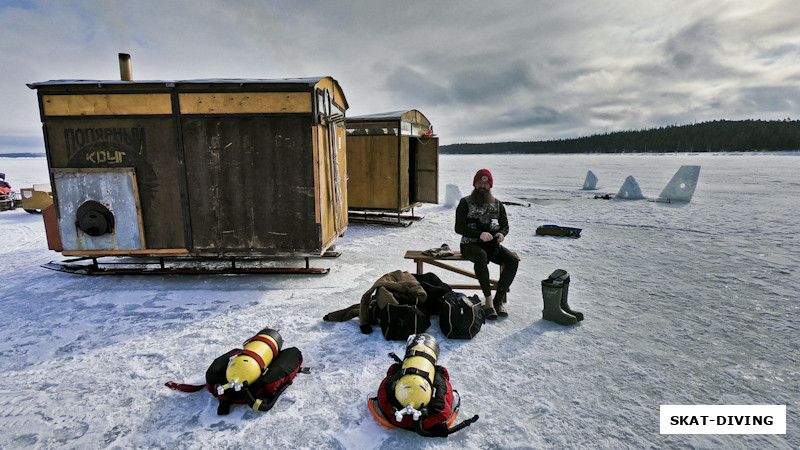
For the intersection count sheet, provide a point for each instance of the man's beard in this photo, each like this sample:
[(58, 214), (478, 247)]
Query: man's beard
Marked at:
[(481, 196)]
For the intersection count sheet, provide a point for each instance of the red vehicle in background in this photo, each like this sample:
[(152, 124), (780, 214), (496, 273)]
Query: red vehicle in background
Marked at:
[(8, 199)]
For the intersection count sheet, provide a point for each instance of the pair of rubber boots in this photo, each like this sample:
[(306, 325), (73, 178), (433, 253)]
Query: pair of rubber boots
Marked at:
[(554, 291)]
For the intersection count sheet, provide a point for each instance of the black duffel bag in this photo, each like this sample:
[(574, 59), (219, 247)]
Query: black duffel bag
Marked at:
[(460, 317), (398, 322)]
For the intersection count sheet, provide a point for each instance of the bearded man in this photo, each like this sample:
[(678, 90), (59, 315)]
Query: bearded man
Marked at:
[(483, 225)]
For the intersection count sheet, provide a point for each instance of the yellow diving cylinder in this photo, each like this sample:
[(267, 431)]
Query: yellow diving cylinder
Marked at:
[(253, 359), (415, 387)]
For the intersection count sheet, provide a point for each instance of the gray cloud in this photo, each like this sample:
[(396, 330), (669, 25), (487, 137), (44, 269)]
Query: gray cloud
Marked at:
[(780, 100), (492, 82), (516, 70)]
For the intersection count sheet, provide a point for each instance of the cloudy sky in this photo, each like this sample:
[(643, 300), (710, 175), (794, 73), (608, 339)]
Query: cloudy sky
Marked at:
[(480, 71)]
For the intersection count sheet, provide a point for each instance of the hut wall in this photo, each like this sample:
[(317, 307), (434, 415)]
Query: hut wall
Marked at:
[(403, 175), (373, 168), (82, 136), (248, 189), (331, 180)]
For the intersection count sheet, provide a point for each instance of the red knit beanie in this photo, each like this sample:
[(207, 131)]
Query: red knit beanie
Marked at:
[(483, 175)]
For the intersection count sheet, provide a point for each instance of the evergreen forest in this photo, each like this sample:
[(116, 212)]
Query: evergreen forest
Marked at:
[(716, 136)]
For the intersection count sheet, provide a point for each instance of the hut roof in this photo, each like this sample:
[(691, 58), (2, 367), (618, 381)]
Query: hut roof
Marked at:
[(412, 115), (310, 82)]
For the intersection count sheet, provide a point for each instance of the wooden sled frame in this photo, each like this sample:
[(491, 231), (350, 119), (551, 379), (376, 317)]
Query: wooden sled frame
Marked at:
[(383, 217), (160, 265)]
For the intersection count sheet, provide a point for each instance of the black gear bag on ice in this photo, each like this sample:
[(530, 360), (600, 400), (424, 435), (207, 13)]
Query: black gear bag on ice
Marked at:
[(398, 322), (460, 317)]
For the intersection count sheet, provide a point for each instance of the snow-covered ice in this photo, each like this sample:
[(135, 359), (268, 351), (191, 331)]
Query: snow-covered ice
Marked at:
[(685, 303)]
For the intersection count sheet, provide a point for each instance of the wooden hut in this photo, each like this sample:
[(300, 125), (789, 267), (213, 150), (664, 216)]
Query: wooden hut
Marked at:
[(219, 167), (392, 162)]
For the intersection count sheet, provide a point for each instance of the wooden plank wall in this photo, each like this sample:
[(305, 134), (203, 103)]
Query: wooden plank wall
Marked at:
[(333, 211), (372, 168), (245, 102), (149, 144), (251, 185), (403, 201), (106, 104), (427, 169)]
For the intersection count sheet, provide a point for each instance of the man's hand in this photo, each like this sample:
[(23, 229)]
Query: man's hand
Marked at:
[(500, 237), (486, 237)]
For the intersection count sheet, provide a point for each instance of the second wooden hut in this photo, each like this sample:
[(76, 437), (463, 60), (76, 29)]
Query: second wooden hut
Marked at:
[(392, 162)]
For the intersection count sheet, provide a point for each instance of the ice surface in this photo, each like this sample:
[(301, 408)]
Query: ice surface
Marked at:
[(630, 190), (682, 185), (684, 303), (590, 183)]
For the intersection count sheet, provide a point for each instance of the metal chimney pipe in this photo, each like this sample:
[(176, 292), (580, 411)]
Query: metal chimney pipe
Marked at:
[(125, 70)]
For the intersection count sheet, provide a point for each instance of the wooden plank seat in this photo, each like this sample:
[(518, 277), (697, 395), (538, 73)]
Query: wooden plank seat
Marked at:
[(422, 259)]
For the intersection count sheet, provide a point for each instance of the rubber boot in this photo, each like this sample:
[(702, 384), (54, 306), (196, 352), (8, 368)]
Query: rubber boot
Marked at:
[(552, 293), (565, 306)]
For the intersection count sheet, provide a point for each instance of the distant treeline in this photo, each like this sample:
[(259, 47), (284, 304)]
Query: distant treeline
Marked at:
[(22, 155), (716, 136)]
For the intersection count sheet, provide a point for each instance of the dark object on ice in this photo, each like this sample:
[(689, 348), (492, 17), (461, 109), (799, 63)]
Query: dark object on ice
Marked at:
[(400, 302), (603, 197), (554, 291), (399, 321), (275, 370), (461, 317), (555, 230)]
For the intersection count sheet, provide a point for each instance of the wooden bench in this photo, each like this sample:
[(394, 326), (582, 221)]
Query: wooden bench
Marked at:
[(422, 259)]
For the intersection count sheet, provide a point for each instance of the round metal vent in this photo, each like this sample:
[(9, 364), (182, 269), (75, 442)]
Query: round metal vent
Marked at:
[(94, 219)]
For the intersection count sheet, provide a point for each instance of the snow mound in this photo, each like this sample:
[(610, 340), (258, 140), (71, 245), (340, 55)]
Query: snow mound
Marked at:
[(590, 183), (681, 186), (630, 190), (452, 195)]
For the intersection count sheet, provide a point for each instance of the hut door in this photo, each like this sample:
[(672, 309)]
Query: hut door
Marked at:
[(425, 152)]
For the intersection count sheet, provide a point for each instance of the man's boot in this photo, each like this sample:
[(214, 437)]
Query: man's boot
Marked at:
[(499, 299), (489, 311)]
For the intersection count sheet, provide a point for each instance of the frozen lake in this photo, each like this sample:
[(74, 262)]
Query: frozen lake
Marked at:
[(685, 303)]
